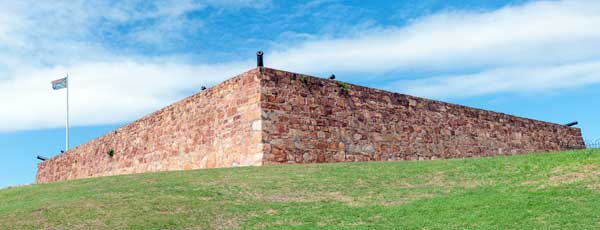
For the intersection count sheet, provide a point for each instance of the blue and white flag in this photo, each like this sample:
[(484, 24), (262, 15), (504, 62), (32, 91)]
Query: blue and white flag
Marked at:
[(59, 83)]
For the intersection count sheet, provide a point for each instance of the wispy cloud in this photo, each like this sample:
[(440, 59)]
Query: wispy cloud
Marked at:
[(519, 79), (535, 46), (536, 33), (102, 92), (44, 41)]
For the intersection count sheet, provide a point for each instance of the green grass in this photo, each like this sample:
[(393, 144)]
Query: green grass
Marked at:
[(536, 191)]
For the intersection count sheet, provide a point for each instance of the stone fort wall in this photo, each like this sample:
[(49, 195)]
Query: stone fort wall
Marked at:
[(267, 116), (217, 127), (309, 119)]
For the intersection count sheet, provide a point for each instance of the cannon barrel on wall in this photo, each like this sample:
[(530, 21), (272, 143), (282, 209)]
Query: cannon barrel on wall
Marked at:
[(259, 59), (571, 124), (42, 158)]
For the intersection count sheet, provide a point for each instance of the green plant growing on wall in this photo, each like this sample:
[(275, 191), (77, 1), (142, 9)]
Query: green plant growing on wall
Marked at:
[(303, 79), (343, 86), (111, 153)]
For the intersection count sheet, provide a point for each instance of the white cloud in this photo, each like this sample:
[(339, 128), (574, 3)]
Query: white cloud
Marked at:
[(42, 41), (536, 46), (102, 93), (530, 79), (539, 32)]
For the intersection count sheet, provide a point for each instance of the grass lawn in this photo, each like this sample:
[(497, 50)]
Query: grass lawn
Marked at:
[(536, 191)]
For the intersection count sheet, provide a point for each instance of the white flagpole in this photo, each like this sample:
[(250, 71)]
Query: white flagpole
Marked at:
[(67, 133)]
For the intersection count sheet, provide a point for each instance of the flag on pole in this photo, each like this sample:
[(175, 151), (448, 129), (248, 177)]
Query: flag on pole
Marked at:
[(60, 83)]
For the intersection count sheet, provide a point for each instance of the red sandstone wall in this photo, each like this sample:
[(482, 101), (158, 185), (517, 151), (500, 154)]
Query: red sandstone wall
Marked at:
[(267, 116), (310, 119), (218, 127)]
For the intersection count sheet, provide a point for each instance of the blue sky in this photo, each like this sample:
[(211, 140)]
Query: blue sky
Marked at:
[(536, 59)]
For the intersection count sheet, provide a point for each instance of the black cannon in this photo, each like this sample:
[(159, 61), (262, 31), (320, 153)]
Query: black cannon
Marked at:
[(259, 59), (42, 158), (571, 124)]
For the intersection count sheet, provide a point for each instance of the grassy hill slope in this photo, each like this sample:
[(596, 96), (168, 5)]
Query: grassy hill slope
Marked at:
[(537, 191)]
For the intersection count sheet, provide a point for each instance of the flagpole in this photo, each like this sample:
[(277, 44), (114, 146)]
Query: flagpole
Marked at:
[(67, 127)]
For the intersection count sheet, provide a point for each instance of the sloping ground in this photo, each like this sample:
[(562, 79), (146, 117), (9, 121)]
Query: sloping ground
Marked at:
[(536, 191)]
